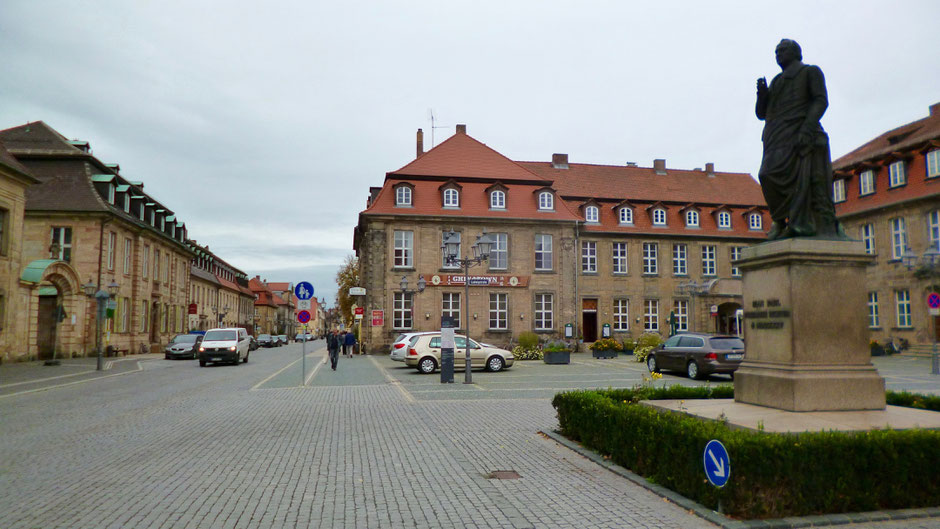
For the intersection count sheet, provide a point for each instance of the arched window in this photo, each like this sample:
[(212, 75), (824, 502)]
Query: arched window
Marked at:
[(659, 217), (546, 200), (691, 218), (497, 199), (754, 221), (403, 196), (626, 215), (451, 198), (590, 214), (724, 219)]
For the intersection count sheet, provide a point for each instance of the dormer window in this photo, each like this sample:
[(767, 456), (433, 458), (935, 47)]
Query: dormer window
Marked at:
[(691, 219), (162, 223), (451, 198), (933, 163), (838, 191), (127, 203), (403, 196), (659, 217), (153, 218), (546, 201), (866, 182), (111, 193), (626, 215), (498, 200), (590, 214), (724, 220), (754, 221), (143, 211), (897, 175)]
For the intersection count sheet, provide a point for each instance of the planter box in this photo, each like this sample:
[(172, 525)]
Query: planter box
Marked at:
[(604, 353), (557, 357)]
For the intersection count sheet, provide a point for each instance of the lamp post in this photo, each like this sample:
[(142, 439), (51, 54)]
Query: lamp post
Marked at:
[(926, 266), (101, 297), (481, 253)]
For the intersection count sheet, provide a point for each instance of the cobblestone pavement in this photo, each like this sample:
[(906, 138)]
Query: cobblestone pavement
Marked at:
[(369, 445)]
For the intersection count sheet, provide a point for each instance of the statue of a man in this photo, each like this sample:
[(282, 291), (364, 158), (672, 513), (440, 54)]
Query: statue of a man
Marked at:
[(796, 170)]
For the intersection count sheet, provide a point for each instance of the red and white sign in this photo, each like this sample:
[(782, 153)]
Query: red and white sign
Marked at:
[(303, 316), (360, 311), (193, 309), (378, 318)]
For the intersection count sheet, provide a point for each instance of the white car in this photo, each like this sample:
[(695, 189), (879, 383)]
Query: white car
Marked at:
[(400, 346), (224, 345)]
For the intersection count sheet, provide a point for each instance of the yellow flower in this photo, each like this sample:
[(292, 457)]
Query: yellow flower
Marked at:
[(657, 376)]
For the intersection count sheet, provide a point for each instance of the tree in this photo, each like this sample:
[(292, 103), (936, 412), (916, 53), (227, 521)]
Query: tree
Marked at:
[(346, 278)]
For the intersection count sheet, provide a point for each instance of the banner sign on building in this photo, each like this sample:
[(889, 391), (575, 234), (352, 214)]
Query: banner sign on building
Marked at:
[(378, 318), (447, 280)]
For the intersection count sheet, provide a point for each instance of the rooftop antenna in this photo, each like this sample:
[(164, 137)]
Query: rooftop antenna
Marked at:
[(433, 126)]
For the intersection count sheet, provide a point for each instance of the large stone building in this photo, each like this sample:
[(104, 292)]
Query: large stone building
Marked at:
[(219, 293), (887, 193), (265, 307), (579, 246)]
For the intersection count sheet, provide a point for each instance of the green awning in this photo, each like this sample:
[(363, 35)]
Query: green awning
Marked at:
[(102, 177), (123, 188), (48, 291), (34, 270)]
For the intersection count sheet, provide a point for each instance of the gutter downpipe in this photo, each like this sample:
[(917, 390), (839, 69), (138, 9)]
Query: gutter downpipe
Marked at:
[(577, 294)]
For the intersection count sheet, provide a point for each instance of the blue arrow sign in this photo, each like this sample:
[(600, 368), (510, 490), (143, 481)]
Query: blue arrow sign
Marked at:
[(303, 290), (717, 463)]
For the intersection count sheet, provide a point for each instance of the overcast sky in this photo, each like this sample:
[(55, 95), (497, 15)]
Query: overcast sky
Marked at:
[(262, 125)]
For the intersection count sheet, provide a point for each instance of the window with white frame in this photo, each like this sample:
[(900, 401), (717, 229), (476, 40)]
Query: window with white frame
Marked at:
[(933, 163), (112, 242), (650, 258), (933, 229), (754, 221), (680, 253), (897, 174), (125, 314), (451, 198), (404, 248), (166, 267), (588, 257), (444, 263), (499, 311), (402, 310), (403, 196), (619, 253), (873, 319), (590, 214), (866, 182), (735, 255), (543, 251), (62, 239), (546, 201), (498, 199), (142, 211), (153, 218), (691, 219), (145, 262), (659, 217), (127, 203), (868, 235), (143, 316), (709, 260), (898, 237), (682, 315), (626, 215), (838, 191), (128, 248), (450, 306), (621, 314), (724, 220), (111, 193), (651, 315), (903, 298), (544, 319), (499, 251)]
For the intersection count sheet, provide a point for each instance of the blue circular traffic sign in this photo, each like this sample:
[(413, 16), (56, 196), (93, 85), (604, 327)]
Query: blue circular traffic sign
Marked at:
[(717, 463), (933, 300), (303, 290)]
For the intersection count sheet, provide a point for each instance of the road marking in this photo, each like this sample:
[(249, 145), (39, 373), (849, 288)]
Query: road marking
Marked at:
[(45, 379), (393, 381), (137, 370), (314, 371), (281, 370)]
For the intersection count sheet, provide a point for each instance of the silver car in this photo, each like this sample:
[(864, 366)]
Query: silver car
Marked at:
[(399, 347), (424, 353), (183, 346)]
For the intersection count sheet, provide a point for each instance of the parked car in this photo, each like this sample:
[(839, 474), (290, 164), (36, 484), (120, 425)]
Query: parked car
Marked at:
[(424, 353), (265, 340), (399, 348), (183, 346), (698, 355), (224, 345), (282, 339)]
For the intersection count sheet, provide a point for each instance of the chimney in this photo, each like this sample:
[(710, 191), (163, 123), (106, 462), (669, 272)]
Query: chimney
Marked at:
[(659, 165), (710, 169), (560, 161), (461, 128), (420, 143), (935, 109), (631, 164)]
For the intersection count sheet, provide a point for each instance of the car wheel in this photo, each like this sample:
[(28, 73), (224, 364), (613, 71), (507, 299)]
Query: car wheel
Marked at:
[(495, 364), (651, 364), (202, 363), (692, 370), (427, 366)]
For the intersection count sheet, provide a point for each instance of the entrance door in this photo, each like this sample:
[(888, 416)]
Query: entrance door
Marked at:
[(727, 322), (589, 320), (46, 328)]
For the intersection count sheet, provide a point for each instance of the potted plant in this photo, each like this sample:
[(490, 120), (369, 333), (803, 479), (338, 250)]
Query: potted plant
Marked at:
[(556, 352), (606, 348)]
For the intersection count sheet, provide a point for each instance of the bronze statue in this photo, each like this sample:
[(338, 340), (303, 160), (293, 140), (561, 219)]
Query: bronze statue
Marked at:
[(796, 170)]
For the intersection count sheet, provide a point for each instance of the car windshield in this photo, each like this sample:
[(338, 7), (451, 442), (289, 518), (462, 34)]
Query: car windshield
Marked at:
[(219, 336), (186, 338), (400, 338), (726, 343), (264, 336)]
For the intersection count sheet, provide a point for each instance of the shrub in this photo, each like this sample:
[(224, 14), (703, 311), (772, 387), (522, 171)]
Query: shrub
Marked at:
[(774, 475), (645, 344), (629, 344), (555, 346), (913, 400), (521, 353), (606, 344), (529, 340)]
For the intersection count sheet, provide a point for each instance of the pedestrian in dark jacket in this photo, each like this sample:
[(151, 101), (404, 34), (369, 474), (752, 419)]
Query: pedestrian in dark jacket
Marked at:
[(332, 346), (349, 344)]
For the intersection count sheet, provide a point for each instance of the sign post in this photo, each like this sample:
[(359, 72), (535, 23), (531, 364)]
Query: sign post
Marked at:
[(303, 291), (448, 345)]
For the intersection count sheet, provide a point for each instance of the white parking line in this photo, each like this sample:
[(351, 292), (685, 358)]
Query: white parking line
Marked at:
[(393, 381), (45, 379), (139, 368)]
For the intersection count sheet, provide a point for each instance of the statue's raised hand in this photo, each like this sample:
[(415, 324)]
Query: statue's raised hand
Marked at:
[(762, 86)]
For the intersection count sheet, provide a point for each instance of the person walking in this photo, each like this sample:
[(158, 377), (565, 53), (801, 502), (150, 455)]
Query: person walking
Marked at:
[(349, 344), (332, 346), (342, 341)]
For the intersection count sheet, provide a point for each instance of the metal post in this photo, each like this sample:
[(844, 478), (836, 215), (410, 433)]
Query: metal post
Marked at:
[(100, 315), (303, 358), (467, 377)]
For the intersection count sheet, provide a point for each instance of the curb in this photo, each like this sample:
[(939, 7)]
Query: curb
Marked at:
[(794, 522)]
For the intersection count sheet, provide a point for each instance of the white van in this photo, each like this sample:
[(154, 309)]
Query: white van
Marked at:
[(224, 345)]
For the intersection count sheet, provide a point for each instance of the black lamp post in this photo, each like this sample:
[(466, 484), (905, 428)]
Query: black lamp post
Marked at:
[(481, 253), (101, 297)]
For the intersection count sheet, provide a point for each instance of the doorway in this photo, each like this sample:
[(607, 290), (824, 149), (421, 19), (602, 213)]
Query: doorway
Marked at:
[(47, 326), (727, 319), (589, 320)]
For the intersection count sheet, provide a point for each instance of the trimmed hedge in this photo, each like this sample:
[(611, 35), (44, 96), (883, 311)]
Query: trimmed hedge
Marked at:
[(773, 475)]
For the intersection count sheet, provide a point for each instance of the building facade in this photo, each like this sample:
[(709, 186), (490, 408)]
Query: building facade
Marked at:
[(581, 250), (887, 194), (265, 307), (219, 293)]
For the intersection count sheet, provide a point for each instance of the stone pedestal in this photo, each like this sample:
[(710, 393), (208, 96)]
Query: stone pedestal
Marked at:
[(804, 328)]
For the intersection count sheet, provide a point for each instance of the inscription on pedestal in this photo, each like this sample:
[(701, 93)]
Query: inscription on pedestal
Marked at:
[(768, 314)]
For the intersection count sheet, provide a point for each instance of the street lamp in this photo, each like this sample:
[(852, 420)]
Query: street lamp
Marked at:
[(926, 267), (101, 297), (404, 285), (481, 253)]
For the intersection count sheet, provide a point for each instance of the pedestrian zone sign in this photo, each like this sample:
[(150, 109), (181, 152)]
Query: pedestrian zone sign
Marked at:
[(303, 290), (717, 463)]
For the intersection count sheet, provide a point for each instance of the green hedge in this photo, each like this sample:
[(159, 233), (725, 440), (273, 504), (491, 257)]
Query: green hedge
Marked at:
[(773, 475)]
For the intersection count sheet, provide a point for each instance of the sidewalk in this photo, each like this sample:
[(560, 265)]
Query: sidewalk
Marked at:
[(23, 377)]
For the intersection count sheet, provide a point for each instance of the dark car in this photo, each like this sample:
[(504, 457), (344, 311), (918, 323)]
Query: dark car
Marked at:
[(282, 339), (266, 340), (183, 346), (254, 343), (698, 355)]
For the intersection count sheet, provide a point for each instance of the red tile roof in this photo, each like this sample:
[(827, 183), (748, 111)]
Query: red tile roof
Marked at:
[(265, 298), (279, 287), (227, 284), (914, 135)]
